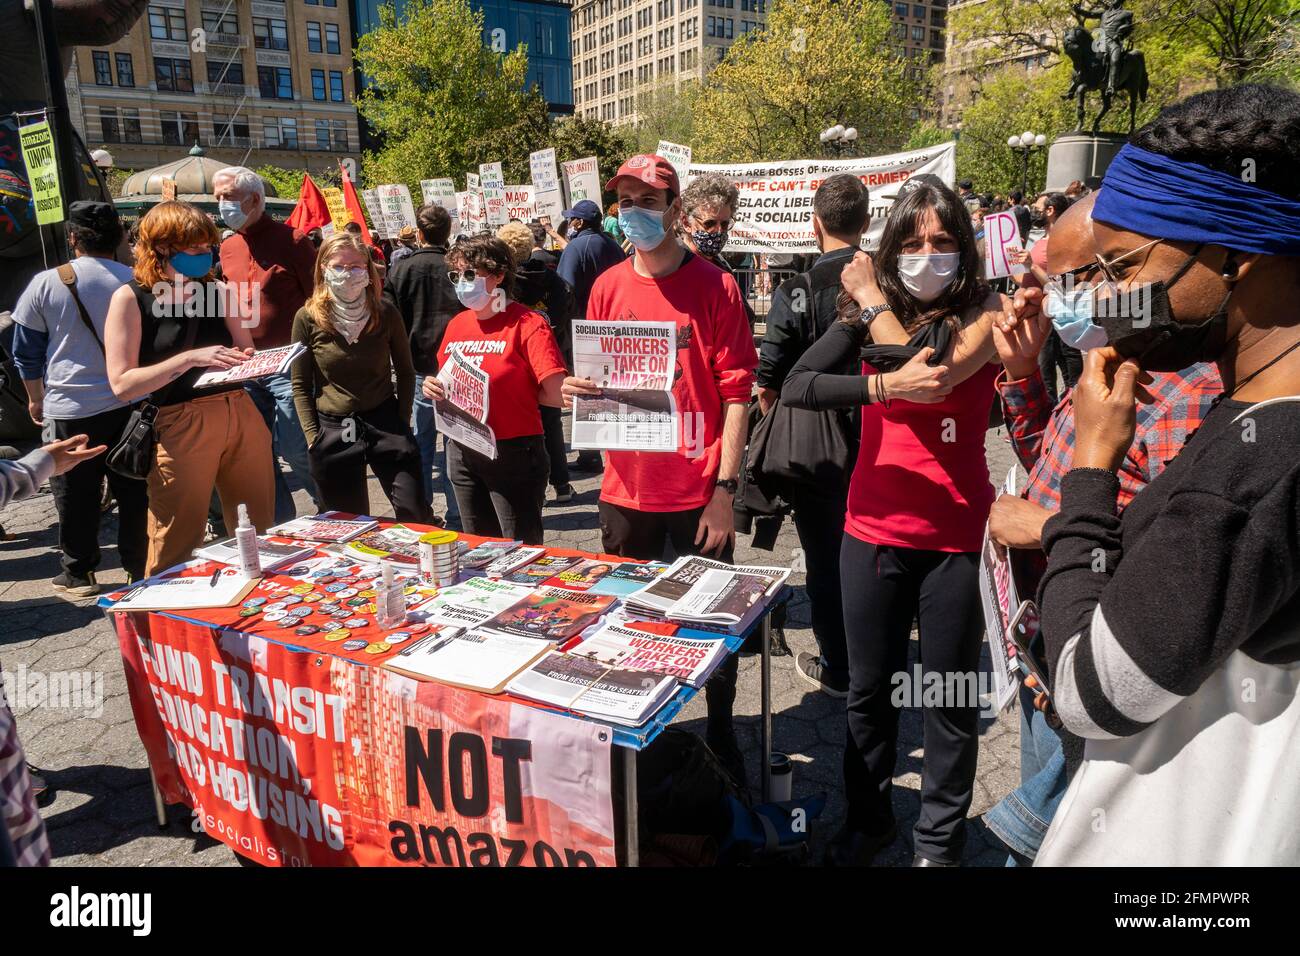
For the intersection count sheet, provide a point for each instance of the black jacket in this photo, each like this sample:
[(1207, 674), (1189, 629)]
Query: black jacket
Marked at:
[(792, 328), (538, 287), (419, 289)]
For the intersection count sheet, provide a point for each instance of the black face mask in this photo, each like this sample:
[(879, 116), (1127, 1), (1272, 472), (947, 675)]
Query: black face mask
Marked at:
[(1162, 343), (1036, 216)]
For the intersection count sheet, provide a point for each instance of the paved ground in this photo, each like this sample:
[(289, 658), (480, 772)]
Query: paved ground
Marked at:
[(103, 812)]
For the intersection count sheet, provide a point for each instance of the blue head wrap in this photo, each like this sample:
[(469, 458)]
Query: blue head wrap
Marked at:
[(1166, 198)]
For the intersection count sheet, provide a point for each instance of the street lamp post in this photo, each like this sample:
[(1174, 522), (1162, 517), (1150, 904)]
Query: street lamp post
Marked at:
[(839, 139), (1024, 144)]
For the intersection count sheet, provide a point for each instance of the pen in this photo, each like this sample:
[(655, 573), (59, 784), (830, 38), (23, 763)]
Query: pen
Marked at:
[(215, 574)]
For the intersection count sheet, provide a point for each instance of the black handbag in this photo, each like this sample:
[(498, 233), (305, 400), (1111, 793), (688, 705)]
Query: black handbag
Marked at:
[(795, 448), (133, 454)]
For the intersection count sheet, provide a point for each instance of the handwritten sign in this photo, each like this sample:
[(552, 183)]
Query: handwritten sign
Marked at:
[(42, 172), (1001, 236)]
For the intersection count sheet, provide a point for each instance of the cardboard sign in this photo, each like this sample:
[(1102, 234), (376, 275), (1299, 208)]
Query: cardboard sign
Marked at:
[(521, 203), (548, 198), (375, 211), (494, 193), (339, 215), (37, 142), (396, 208), (679, 156), (1001, 236), (582, 180)]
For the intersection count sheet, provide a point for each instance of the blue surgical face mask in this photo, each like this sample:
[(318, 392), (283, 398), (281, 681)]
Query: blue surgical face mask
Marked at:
[(192, 265), (1071, 312), (473, 295), (644, 228), (232, 213)]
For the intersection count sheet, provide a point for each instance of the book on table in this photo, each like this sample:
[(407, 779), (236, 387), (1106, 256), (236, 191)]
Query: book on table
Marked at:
[(476, 660), (584, 686), (471, 602), (328, 527), (398, 544), (271, 554), (482, 555), (515, 558), (541, 569), (628, 577), (551, 614)]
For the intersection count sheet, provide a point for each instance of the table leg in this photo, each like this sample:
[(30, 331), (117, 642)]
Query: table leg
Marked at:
[(765, 637), (632, 849), (159, 807)]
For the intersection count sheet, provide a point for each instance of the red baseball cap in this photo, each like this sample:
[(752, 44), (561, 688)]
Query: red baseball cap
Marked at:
[(654, 171)]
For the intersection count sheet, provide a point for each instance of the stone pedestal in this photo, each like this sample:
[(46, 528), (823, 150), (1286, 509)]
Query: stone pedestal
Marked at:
[(1080, 156)]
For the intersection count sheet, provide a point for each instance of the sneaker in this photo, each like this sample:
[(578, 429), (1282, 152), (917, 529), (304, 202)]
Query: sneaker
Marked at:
[(78, 587), (814, 670), (919, 860), (852, 847), (563, 494)]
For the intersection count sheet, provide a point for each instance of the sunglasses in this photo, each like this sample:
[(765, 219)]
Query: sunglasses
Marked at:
[(469, 275)]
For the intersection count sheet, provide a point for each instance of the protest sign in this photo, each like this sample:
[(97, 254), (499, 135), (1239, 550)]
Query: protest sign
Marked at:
[(460, 221), (1000, 599), (1001, 235), (520, 203), (339, 215), (300, 759), (632, 363), (679, 156), (462, 415), (546, 184), (494, 193), (439, 192), (37, 143), (775, 209), (375, 212), (582, 180), (477, 215), (396, 207)]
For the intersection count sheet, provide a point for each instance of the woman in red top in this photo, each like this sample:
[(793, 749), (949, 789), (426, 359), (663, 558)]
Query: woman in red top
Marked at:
[(918, 500), (500, 483)]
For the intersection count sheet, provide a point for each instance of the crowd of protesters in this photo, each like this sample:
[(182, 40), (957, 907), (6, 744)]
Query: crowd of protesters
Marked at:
[(1157, 530)]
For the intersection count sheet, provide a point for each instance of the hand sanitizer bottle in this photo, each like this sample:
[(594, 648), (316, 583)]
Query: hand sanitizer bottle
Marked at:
[(390, 602), (246, 541)]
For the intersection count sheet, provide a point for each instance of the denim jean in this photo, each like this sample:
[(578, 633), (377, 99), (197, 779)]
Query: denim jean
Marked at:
[(1022, 817), (433, 462), (273, 397)]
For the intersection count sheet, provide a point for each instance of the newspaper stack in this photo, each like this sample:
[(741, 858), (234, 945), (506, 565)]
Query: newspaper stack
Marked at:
[(708, 594), (585, 686)]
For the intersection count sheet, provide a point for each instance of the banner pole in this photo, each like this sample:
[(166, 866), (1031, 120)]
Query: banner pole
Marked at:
[(632, 848), (765, 637), (56, 112)]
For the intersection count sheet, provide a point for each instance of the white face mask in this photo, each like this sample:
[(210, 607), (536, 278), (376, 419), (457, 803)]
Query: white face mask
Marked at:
[(473, 294), (926, 277), (346, 284)]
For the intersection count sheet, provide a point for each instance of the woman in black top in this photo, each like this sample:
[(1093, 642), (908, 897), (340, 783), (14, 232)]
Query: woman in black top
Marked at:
[(164, 330)]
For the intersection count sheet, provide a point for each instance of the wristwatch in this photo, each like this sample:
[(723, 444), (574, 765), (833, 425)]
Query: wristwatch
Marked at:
[(728, 485), (869, 314)]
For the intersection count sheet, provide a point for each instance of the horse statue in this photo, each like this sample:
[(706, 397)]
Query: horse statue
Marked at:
[(1091, 70)]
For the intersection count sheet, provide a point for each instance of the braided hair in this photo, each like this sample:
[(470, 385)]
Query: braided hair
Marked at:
[(1247, 127)]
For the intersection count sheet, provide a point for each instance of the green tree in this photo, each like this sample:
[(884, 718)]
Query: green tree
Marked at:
[(818, 62), (441, 101), (577, 136), (665, 110), (926, 133)]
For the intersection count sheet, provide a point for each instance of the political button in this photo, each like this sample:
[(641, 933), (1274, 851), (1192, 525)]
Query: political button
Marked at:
[(368, 593), (354, 645), (379, 647), (249, 611), (307, 629), (397, 637), (338, 634), (275, 615), (355, 622), (301, 589), (330, 625), (255, 602)]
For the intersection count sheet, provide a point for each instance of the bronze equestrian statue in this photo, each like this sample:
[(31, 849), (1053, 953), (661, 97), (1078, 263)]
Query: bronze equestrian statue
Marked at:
[(1107, 65)]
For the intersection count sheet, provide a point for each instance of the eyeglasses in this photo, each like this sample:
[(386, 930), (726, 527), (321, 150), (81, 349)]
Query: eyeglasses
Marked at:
[(469, 275), (1071, 277), (708, 225), (1107, 266)]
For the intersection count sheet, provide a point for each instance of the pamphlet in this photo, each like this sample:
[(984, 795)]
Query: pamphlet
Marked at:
[(625, 697), (462, 415), (582, 576), (628, 578), (259, 365), (551, 614), (691, 660), (225, 587), (687, 591), (330, 527), (540, 571), (472, 602), (511, 560), (999, 596), (271, 553), (477, 660), (487, 552), (632, 363), (398, 544)]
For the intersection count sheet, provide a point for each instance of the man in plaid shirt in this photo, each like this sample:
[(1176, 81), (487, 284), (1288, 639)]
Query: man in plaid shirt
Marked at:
[(1043, 438)]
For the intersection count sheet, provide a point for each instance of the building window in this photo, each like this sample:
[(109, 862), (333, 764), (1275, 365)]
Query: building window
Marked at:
[(340, 130), (332, 38), (225, 74), (173, 76), (228, 131), (125, 70), (166, 23), (336, 86), (918, 34), (108, 125), (318, 84), (281, 133), (900, 9), (313, 37), (215, 22), (275, 82), (179, 128), (131, 125), (269, 34), (103, 72), (322, 134)]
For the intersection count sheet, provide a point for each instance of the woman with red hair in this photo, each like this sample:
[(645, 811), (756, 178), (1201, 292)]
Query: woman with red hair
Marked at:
[(164, 329)]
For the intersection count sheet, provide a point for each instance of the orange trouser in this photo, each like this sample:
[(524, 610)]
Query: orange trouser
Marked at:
[(216, 441)]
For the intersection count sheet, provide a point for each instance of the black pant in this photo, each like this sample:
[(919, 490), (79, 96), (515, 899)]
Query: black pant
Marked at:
[(1056, 354), (553, 428), (501, 497), (820, 524), (885, 588), (380, 438), (77, 499), (644, 535)]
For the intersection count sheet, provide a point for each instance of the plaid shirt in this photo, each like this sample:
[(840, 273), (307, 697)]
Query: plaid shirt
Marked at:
[(23, 842), (1043, 437)]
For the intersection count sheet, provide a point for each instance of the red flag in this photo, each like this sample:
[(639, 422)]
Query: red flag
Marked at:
[(312, 211), (353, 203)]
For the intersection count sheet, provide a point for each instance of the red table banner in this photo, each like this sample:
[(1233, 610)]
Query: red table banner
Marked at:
[(294, 757)]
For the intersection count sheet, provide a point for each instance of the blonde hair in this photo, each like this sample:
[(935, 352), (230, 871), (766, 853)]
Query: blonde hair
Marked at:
[(520, 240), (318, 306), (172, 226)]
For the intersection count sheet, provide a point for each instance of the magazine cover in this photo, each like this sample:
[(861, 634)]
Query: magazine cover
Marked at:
[(628, 578), (722, 596), (513, 559), (537, 572), (557, 679), (583, 576), (551, 614), (625, 696), (691, 660), (329, 527), (472, 602), (487, 552), (398, 544)]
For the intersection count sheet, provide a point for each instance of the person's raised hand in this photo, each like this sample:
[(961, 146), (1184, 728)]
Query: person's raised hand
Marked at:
[(1105, 408), (917, 381), (859, 280), (1020, 331)]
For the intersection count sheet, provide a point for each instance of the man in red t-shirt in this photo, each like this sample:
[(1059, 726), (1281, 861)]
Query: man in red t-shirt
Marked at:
[(649, 500)]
